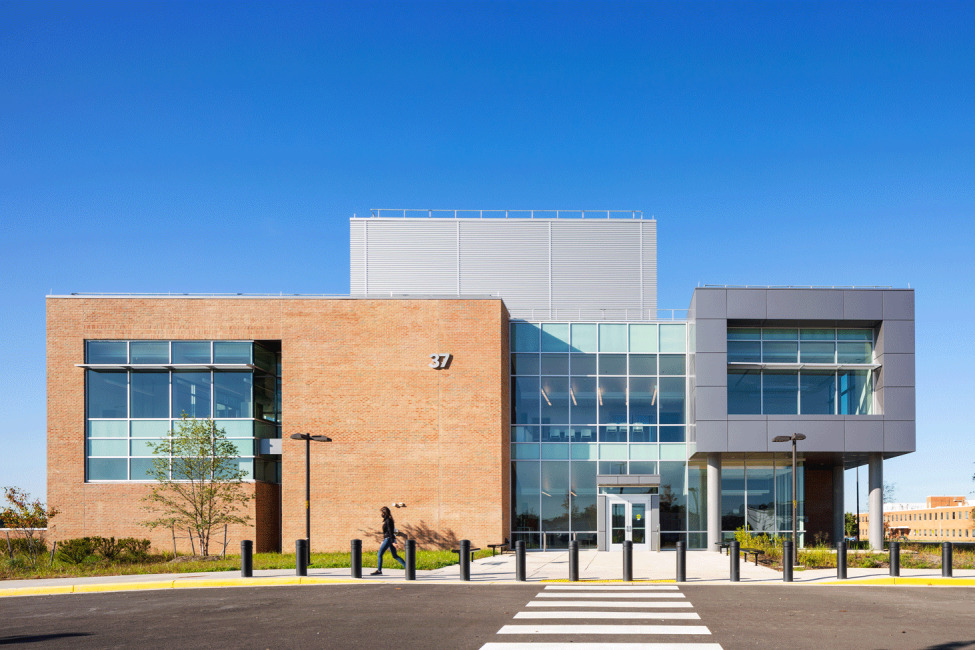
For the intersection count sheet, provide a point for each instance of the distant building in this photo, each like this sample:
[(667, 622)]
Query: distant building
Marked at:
[(941, 519)]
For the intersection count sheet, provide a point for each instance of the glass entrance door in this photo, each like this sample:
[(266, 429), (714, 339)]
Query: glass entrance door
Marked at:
[(629, 521)]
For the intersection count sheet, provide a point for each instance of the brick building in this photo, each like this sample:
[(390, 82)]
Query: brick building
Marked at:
[(502, 378), (939, 519)]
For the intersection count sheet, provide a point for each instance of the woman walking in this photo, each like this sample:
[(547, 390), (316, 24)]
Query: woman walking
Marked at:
[(389, 541)]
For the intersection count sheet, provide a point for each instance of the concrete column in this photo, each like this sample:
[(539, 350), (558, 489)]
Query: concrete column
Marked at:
[(839, 504), (714, 501), (876, 500)]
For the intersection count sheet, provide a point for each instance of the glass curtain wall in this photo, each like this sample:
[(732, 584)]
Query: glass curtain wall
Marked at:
[(135, 404), (599, 398), (757, 494)]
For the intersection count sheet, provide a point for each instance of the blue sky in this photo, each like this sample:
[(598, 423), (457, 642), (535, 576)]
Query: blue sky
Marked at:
[(222, 147)]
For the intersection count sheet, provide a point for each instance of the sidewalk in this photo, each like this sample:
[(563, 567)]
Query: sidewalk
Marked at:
[(703, 568)]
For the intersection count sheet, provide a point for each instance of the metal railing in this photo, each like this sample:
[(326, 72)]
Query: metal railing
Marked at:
[(445, 213), (789, 286), (598, 314)]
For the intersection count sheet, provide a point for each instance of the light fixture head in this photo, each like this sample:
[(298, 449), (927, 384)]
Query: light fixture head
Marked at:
[(799, 436), (300, 436), (782, 439), (321, 439)]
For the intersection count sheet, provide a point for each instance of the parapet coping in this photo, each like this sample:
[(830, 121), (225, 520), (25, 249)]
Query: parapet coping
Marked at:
[(269, 296)]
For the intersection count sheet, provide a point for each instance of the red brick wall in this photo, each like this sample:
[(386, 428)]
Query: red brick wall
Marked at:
[(355, 370), (819, 504)]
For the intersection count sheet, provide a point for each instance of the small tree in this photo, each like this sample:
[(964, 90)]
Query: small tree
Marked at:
[(200, 485), (889, 492), (852, 526), (26, 516)]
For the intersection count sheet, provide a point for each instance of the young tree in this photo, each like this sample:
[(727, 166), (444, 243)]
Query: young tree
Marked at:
[(200, 485), (889, 492), (26, 516), (852, 526)]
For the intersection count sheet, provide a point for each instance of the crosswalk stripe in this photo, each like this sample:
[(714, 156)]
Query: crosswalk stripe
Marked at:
[(602, 646), (598, 594), (604, 629), (600, 603), (612, 588), (629, 615)]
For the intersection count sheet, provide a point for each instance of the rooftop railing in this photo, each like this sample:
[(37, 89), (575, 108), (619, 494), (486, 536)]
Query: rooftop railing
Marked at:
[(792, 286), (418, 213), (598, 314)]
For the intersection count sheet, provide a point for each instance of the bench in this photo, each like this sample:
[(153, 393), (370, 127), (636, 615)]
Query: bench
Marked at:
[(494, 547), (754, 551), (457, 551)]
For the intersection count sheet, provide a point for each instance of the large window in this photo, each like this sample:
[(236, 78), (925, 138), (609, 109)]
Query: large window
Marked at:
[(136, 391), (790, 371), (598, 398), (757, 495)]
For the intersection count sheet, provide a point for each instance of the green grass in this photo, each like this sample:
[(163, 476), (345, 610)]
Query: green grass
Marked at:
[(18, 569)]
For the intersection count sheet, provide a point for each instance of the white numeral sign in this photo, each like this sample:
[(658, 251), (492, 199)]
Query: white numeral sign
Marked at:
[(439, 361)]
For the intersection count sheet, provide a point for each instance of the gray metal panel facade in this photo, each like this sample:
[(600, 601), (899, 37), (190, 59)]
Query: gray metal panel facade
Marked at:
[(533, 264), (891, 430)]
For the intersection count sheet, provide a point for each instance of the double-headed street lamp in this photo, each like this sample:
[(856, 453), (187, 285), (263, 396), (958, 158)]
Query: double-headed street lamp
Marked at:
[(795, 437), (307, 437)]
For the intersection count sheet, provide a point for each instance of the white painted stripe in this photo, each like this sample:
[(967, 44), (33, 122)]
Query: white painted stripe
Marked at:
[(629, 615), (599, 603), (611, 588), (604, 629), (590, 594), (602, 646)]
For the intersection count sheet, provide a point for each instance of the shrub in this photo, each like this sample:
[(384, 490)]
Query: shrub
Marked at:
[(77, 550), (135, 550), (21, 546)]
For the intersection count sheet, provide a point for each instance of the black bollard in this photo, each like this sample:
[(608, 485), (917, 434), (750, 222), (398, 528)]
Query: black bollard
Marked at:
[(841, 561), (627, 561), (520, 573), (895, 559), (787, 561), (573, 561), (357, 558), (465, 560), (411, 559), (946, 560), (734, 552), (247, 559), (681, 562), (301, 557)]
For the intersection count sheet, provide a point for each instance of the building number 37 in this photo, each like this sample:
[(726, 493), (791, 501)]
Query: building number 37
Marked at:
[(439, 361)]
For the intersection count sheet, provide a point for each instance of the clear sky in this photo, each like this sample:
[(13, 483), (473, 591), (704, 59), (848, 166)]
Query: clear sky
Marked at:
[(222, 147)]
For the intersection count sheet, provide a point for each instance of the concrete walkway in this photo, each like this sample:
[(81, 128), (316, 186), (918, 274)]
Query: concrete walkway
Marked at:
[(703, 568)]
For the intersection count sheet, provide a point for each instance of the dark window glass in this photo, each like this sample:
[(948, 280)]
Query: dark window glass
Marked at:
[(856, 392), (780, 352), (643, 364), (191, 352), (671, 395), (732, 498), (817, 392), (555, 400), (744, 392), (555, 364), (583, 364), (149, 351), (612, 467), (643, 433), (760, 499), (524, 364), (697, 497), (643, 400), (142, 469), (673, 501), (584, 499), (744, 333), (612, 364), (108, 469), (643, 467), (817, 352), (191, 394), (108, 394), (234, 394), (744, 351), (612, 400), (232, 352), (107, 352), (612, 433), (780, 392), (266, 360), (672, 364), (671, 434), (524, 400), (150, 394), (267, 399), (555, 495), (583, 398), (854, 352)]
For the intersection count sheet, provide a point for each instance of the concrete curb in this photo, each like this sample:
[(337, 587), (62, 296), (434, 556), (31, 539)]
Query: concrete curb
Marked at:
[(907, 582)]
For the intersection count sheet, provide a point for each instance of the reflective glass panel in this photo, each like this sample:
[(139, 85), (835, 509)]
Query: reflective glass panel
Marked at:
[(643, 433), (524, 434), (612, 467), (150, 394), (232, 351), (760, 500), (583, 337), (191, 352), (671, 434), (854, 335), (555, 337), (108, 469), (612, 338), (583, 399), (234, 394), (116, 447), (149, 351), (773, 334), (150, 428), (107, 352), (672, 338), (673, 500), (697, 496), (643, 452), (583, 364), (638, 522), (525, 397), (525, 494), (555, 452), (732, 496), (581, 451), (855, 392), (191, 394), (524, 337), (555, 364), (643, 400), (780, 392), (744, 351), (584, 434), (236, 428), (643, 338), (643, 364), (817, 334), (672, 364), (108, 394), (266, 360), (744, 392), (267, 400), (142, 469), (107, 429), (612, 433), (817, 392), (643, 467), (671, 395), (612, 400), (780, 352), (584, 496), (672, 452), (618, 523), (555, 400), (555, 495), (854, 352), (612, 364), (146, 446), (744, 334), (817, 352)]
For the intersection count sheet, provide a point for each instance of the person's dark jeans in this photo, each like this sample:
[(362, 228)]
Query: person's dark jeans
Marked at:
[(391, 546)]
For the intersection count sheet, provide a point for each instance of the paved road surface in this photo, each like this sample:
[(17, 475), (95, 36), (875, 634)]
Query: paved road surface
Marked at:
[(499, 617)]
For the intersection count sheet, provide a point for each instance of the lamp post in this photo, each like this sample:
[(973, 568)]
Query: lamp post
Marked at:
[(307, 437), (795, 437)]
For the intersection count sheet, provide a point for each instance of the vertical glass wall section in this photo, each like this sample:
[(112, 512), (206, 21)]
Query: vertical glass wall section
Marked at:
[(588, 399), (800, 371), (136, 391), (757, 494)]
